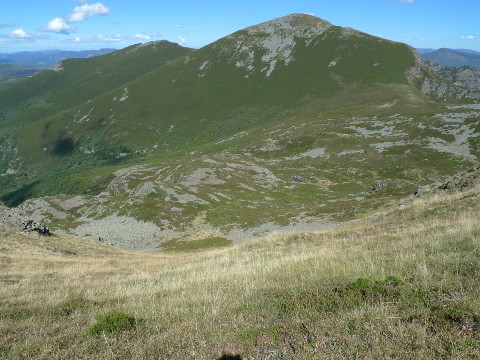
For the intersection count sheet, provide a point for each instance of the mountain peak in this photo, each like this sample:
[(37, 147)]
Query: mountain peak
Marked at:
[(275, 40), (301, 25)]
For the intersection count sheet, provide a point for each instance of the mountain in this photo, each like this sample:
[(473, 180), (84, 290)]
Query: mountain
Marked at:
[(424, 51), (47, 58), (468, 51), (290, 124), (454, 57)]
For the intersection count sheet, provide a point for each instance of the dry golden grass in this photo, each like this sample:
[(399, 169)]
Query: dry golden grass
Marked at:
[(282, 297)]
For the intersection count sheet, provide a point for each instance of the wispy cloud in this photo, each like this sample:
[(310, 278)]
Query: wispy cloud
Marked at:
[(182, 40), (405, 1), (467, 37), (58, 25), (179, 26), (83, 12)]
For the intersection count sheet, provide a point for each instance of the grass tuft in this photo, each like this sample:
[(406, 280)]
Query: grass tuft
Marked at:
[(112, 322)]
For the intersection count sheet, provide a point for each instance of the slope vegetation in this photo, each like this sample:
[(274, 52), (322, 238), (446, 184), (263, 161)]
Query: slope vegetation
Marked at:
[(402, 283), (293, 123)]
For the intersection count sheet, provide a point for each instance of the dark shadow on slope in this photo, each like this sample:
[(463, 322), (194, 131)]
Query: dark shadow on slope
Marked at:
[(64, 146), (17, 197)]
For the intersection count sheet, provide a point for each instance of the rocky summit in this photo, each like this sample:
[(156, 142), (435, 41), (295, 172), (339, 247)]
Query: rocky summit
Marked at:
[(294, 124)]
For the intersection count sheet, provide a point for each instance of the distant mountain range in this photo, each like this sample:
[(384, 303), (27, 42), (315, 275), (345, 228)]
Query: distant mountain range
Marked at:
[(452, 57), (42, 59), (291, 122), (18, 66)]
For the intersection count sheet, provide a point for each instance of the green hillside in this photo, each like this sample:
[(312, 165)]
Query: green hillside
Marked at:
[(11, 74), (202, 94), (293, 123), (11, 69), (74, 81)]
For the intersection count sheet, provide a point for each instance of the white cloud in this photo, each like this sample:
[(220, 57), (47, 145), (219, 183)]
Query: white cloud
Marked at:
[(83, 12), (467, 37), (19, 34), (58, 25), (79, 14), (141, 37), (182, 40), (405, 1), (178, 26)]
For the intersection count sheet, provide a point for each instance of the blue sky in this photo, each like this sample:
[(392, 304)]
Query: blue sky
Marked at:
[(91, 24)]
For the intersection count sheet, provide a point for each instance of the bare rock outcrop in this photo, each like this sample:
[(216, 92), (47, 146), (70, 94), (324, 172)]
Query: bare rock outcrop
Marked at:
[(17, 220), (463, 181)]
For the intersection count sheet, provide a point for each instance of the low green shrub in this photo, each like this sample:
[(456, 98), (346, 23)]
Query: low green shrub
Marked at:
[(112, 322)]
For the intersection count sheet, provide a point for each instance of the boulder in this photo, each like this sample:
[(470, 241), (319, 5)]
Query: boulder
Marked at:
[(378, 185), (33, 226)]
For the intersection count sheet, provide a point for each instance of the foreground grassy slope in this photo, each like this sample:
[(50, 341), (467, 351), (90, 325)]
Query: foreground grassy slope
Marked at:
[(401, 284)]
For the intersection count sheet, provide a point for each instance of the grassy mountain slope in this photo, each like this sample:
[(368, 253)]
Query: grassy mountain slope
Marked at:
[(290, 122), (75, 81), (196, 94), (11, 74), (188, 96), (307, 171), (11, 70), (186, 92), (399, 284)]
